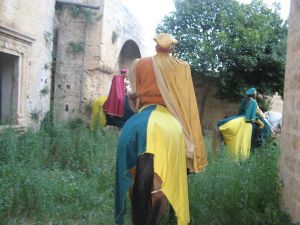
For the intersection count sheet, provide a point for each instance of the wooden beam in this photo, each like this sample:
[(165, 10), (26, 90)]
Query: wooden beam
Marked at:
[(65, 2)]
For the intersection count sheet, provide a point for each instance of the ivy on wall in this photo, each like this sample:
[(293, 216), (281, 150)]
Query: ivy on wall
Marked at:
[(114, 37), (48, 36), (45, 90), (76, 47), (88, 14)]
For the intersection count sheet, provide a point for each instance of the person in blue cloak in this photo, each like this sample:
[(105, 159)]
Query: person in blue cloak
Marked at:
[(243, 132)]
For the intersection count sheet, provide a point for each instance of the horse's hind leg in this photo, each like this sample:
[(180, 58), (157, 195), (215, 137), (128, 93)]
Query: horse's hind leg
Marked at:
[(141, 193), (159, 201)]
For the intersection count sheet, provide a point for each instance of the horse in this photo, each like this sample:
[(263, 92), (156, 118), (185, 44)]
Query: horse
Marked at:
[(272, 122), (101, 119), (151, 165)]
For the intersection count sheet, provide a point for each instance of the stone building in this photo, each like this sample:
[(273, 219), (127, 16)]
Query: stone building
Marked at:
[(64, 50), (89, 41), (26, 29), (91, 44), (290, 138)]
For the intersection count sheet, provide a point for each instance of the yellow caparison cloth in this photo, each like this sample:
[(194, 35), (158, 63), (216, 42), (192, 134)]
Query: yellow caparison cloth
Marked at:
[(165, 141), (98, 116), (237, 136)]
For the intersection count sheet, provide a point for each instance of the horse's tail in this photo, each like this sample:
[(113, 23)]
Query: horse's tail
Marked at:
[(141, 194)]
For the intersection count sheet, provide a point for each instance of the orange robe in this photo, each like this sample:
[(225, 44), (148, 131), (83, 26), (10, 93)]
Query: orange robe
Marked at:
[(146, 86)]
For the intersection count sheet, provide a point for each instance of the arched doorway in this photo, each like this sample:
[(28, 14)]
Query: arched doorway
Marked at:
[(129, 52)]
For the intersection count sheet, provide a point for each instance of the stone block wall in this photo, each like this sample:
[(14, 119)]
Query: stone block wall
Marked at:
[(115, 28), (30, 28), (117, 19), (290, 138), (70, 46), (211, 109), (88, 73)]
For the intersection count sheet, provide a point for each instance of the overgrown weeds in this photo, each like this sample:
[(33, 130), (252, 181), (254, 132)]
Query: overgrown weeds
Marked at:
[(239, 193), (64, 174)]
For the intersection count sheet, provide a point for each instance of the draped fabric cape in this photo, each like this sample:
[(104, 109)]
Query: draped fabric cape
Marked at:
[(153, 130), (98, 116), (237, 130), (237, 135), (249, 109), (114, 104), (174, 80)]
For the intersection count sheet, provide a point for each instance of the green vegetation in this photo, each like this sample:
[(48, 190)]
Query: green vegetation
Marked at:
[(242, 45), (47, 66), (88, 14), (239, 193), (114, 37), (35, 115), (61, 174), (64, 174), (45, 90), (76, 47), (48, 36)]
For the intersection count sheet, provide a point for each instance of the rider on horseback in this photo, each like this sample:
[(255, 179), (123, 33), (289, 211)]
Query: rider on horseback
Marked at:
[(165, 133), (113, 110), (242, 132)]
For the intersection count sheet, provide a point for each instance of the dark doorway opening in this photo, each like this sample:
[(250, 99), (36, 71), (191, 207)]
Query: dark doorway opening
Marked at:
[(8, 88)]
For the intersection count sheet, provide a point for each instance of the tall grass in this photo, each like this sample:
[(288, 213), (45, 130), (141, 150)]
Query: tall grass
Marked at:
[(239, 193), (64, 174)]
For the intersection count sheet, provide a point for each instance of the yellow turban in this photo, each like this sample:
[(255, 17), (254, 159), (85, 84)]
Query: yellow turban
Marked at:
[(165, 40)]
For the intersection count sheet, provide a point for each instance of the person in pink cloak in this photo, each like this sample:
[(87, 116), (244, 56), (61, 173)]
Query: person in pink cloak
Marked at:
[(117, 108), (114, 105)]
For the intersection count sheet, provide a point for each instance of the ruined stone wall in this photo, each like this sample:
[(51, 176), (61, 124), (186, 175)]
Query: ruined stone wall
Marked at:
[(83, 76), (211, 109), (290, 138), (30, 24), (70, 44), (118, 20), (118, 26)]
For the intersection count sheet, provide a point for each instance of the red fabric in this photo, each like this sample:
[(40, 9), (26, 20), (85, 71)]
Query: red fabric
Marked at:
[(163, 50), (114, 104)]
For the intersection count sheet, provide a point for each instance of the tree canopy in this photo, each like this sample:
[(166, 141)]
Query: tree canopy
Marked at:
[(243, 45)]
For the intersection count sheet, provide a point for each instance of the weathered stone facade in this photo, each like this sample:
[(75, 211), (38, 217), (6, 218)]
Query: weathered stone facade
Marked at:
[(110, 39), (89, 46), (25, 53), (290, 139), (211, 108)]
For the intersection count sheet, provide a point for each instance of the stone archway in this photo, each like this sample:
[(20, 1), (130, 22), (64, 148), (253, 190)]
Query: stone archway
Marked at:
[(129, 52)]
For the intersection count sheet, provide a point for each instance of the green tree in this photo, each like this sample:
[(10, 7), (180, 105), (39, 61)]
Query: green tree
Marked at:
[(242, 45)]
